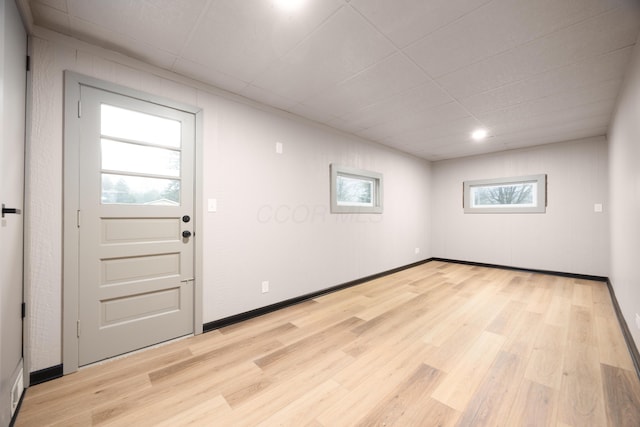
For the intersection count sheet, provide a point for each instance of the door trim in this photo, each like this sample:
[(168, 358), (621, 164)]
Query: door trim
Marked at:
[(71, 202)]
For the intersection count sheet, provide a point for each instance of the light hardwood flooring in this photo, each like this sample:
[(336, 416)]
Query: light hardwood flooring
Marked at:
[(439, 344)]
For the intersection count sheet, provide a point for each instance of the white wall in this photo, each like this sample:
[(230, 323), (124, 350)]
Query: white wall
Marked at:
[(273, 221), (569, 237), (624, 193)]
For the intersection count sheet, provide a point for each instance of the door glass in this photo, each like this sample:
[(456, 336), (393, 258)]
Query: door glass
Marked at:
[(126, 157), (138, 190), (135, 126), (140, 158)]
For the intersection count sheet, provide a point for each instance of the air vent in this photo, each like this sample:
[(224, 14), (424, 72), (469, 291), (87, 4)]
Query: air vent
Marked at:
[(16, 392)]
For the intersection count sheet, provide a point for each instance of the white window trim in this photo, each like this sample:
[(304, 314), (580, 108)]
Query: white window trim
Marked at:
[(540, 195), (375, 177)]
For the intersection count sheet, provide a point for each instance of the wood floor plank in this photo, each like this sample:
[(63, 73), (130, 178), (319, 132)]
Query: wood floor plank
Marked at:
[(535, 405), (611, 344), (457, 388), (558, 311), (582, 294), (492, 401), (581, 396), (622, 396), (547, 357), (581, 327), (398, 407), (440, 344)]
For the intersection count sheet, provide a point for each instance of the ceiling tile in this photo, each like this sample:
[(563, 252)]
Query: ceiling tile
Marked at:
[(497, 27), (342, 47), (583, 74), (204, 74), (164, 23), (591, 113), (415, 121), (381, 81), (405, 21), (409, 102), (241, 38), (266, 97), (425, 136), (315, 114), (134, 48), (607, 32), (566, 100)]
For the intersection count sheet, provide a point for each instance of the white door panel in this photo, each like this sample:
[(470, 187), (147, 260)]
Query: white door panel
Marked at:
[(135, 194)]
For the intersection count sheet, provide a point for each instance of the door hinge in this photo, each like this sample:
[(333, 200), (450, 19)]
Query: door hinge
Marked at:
[(78, 218), (23, 309), (79, 109), (78, 328), (28, 63)]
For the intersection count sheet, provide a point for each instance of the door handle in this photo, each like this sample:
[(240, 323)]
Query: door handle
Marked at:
[(10, 211), (186, 234)]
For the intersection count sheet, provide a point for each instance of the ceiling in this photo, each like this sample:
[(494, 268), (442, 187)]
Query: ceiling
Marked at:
[(416, 75)]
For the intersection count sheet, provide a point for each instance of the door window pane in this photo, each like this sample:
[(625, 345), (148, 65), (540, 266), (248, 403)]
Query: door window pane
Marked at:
[(136, 190), (135, 126), (125, 157)]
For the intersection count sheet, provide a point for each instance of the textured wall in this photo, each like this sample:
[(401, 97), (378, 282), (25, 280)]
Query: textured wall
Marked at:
[(569, 237), (624, 164), (273, 221)]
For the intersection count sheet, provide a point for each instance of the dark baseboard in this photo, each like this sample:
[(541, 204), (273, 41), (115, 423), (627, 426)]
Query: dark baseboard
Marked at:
[(527, 270), (217, 324), (44, 375), (631, 344)]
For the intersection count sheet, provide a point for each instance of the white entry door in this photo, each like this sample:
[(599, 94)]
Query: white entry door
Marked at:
[(135, 221)]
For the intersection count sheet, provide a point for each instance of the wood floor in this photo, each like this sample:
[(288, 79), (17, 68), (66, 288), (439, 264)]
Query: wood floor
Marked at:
[(436, 345)]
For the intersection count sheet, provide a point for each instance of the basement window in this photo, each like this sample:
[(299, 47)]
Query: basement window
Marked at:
[(523, 194), (355, 190)]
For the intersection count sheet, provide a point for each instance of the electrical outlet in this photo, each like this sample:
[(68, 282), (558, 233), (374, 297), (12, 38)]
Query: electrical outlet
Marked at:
[(638, 320), (265, 287), (417, 250)]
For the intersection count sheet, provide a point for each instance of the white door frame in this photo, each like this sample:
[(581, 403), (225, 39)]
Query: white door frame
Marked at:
[(73, 82)]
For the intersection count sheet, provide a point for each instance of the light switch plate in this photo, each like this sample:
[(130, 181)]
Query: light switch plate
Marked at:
[(212, 205)]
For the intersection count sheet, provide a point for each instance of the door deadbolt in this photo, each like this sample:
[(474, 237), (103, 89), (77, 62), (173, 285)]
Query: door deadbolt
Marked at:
[(186, 218)]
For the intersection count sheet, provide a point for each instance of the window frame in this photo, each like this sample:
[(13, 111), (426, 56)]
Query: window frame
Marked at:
[(540, 199), (377, 191)]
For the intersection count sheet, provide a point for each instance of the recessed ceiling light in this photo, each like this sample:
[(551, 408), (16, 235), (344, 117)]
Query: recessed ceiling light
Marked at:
[(479, 134), (289, 5)]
